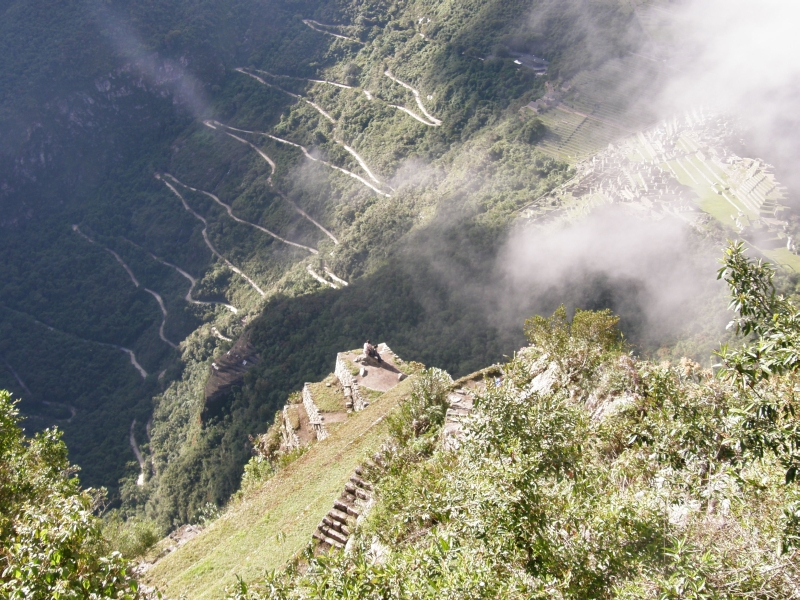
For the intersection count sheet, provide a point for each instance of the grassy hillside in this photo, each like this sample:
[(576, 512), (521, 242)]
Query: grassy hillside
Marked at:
[(583, 472), (265, 527)]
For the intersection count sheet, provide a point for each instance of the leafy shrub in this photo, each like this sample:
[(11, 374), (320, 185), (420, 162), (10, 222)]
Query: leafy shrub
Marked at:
[(51, 544), (425, 408), (131, 537)]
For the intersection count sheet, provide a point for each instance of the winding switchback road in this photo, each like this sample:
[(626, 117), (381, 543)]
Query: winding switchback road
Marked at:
[(349, 149), (76, 229), (322, 280), (17, 377), (230, 265), (193, 282), (271, 163), (433, 120), (325, 81), (164, 315), (318, 27), (305, 152), (156, 295), (229, 210), (335, 278), (127, 351), (316, 106)]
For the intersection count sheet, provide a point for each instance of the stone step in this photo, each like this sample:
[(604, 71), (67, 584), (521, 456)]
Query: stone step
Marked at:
[(332, 542), (357, 481), (334, 535), (350, 510), (338, 515), (363, 494), (348, 498), (331, 523)]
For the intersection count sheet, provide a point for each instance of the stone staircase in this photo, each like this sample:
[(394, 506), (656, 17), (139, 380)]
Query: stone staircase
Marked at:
[(335, 527)]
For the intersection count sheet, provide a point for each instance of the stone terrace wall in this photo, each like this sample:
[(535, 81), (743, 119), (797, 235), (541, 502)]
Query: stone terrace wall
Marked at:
[(353, 398), (288, 436), (314, 418)]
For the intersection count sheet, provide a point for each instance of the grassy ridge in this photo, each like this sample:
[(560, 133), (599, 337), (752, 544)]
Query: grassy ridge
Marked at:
[(271, 524)]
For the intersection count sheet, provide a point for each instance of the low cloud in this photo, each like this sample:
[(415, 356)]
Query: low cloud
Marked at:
[(658, 275)]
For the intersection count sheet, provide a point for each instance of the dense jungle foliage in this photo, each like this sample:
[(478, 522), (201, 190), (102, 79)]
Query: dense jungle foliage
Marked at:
[(587, 473)]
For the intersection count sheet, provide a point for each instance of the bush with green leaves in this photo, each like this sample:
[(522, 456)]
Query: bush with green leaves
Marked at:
[(585, 474), (51, 544)]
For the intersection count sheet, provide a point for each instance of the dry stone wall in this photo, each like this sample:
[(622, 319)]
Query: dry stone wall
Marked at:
[(314, 418), (289, 438), (353, 397)]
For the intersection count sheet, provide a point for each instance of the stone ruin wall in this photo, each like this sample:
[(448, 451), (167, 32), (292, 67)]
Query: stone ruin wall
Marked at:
[(351, 392), (288, 436), (314, 418)]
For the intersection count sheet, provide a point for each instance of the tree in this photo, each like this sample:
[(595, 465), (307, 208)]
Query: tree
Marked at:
[(769, 415), (51, 544)]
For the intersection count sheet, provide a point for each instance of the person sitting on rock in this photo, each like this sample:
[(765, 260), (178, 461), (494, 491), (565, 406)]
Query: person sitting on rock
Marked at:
[(370, 351)]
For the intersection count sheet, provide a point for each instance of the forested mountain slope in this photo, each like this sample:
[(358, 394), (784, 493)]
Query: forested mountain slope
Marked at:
[(227, 166)]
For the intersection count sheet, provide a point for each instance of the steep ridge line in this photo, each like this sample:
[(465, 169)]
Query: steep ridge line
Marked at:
[(317, 27), (128, 270), (271, 163), (208, 242), (305, 152), (229, 210), (186, 275), (127, 351), (316, 106), (436, 122), (138, 454), (362, 163)]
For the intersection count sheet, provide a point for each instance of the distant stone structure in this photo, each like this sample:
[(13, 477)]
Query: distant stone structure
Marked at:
[(304, 422), (226, 371)]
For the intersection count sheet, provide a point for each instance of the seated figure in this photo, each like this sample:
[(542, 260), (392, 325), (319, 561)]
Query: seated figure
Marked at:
[(371, 352)]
